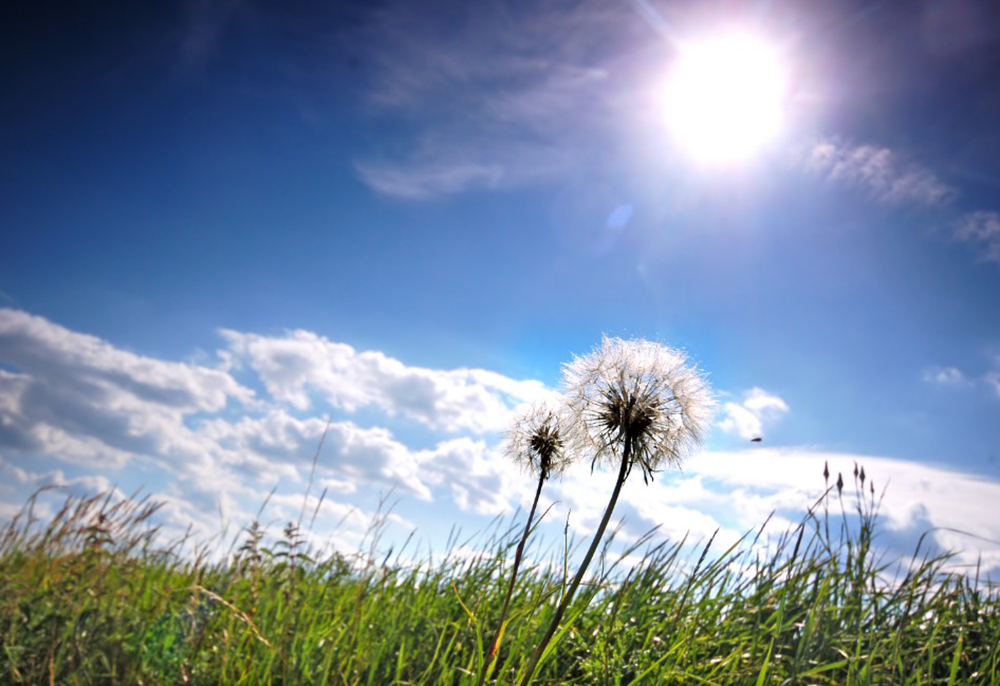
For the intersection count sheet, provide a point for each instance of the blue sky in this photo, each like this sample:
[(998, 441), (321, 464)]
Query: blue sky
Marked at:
[(225, 222)]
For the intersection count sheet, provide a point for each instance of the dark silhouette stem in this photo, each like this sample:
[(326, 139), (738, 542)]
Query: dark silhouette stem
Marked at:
[(568, 598), (495, 645)]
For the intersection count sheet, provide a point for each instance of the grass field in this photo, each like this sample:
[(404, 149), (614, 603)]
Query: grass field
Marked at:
[(95, 597)]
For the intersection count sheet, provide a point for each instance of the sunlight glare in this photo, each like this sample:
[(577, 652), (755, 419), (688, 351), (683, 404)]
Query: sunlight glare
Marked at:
[(724, 98)]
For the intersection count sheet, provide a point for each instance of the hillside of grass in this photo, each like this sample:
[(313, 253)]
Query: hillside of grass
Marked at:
[(94, 596)]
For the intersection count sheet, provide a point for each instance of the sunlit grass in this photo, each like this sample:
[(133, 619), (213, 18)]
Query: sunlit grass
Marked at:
[(95, 596)]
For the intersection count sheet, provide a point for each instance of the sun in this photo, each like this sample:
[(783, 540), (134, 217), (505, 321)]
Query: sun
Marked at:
[(725, 97)]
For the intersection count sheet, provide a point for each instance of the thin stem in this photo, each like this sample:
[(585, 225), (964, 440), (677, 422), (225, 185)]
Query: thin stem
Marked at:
[(495, 645), (568, 598)]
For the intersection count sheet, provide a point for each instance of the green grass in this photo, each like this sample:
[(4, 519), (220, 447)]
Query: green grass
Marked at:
[(95, 596)]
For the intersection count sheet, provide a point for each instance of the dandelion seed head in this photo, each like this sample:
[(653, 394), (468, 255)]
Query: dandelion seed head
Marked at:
[(535, 441), (639, 395)]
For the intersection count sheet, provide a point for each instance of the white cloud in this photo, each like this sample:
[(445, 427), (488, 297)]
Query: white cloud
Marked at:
[(32, 481), (737, 491), (747, 419), (350, 454), (83, 402), (335, 522), (419, 179), (480, 479), (86, 400), (679, 504), (983, 230), (945, 376), (78, 402), (882, 173), (301, 362), (993, 379), (956, 378), (918, 497)]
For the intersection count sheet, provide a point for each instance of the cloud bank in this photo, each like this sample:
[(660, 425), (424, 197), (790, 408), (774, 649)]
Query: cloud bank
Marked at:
[(82, 415), (299, 364), (75, 400)]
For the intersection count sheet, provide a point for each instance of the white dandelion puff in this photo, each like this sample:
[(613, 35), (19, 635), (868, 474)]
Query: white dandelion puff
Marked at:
[(535, 441), (638, 401), (628, 402)]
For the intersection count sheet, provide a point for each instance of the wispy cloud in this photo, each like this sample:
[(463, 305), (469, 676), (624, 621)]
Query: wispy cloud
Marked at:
[(981, 229), (945, 376), (747, 418), (891, 178), (955, 378), (420, 179), (993, 379), (500, 99), (884, 174), (205, 23)]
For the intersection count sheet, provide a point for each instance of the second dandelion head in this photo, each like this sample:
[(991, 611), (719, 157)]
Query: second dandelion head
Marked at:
[(536, 441)]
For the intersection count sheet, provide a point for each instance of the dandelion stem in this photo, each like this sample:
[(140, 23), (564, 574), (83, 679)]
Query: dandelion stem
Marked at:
[(495, 645), (568, 598)]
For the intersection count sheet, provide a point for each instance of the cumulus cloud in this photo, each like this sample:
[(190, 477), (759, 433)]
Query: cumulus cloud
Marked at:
[(880, 172), (746, 419), (734, 492), (350, 455), (85, 403), (982, 229), (677, 504), (73, 409), (74, 394), (918, 496), (300, 363), (480, 479), (29, 481)]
